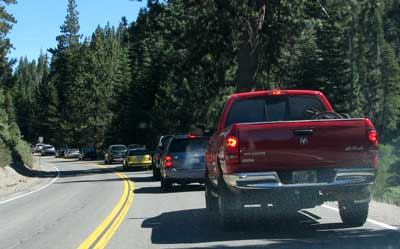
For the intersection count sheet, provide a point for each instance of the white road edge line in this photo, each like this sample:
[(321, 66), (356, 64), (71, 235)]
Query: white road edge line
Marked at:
[(378, 223), (36, 190)]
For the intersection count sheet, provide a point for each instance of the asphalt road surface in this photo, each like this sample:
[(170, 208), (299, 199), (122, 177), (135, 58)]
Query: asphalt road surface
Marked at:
[(93, 206)]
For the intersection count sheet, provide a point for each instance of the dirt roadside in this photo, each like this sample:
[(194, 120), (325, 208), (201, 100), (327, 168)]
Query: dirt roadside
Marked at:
[(13, 183)]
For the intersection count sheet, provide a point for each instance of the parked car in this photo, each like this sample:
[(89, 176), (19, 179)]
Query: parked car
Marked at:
[(286, 150), (71, 153), (88, 152), (156, 157), (48, 150), (60, 152), (38, 148), (114, 153), (183, 161), (139, 157)]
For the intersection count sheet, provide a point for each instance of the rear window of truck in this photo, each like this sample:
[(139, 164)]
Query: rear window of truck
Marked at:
[(274, 108)]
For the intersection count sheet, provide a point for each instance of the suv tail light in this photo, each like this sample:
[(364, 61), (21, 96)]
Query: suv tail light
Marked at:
[(232, 149), (168, 161)]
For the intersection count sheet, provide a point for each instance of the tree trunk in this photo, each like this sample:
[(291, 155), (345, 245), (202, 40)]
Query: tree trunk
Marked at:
[(248, 50), (247, 71)]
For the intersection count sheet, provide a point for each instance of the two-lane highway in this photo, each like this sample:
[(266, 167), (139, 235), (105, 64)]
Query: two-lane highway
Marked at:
[(90, 206), (84, 199)]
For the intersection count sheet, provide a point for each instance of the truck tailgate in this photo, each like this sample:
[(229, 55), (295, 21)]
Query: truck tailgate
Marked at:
[(302, 145)]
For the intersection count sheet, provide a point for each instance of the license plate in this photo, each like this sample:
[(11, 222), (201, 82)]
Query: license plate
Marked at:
[(306, 176)]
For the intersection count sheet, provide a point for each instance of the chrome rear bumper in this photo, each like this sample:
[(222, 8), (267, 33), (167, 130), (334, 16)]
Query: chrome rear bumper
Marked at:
[(270, 179)]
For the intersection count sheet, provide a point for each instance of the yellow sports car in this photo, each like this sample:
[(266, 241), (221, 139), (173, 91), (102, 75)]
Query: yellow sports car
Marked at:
[(139, 157)]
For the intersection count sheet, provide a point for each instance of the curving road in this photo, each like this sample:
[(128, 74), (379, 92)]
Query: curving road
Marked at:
[(90, 206)]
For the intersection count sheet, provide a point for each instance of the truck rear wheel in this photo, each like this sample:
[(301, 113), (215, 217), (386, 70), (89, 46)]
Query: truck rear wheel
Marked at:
[(354, 214), (228, 210), (211, 201)]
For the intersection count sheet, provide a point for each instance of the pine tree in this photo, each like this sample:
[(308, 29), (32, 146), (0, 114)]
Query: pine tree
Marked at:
[(70, 29)]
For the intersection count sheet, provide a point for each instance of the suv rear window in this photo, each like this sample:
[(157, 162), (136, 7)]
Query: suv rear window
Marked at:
[(188, 145), (138, 152), (274, 108), (118, 148)]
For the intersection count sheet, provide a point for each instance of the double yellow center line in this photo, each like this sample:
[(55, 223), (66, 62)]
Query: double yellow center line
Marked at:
[(104, 232)]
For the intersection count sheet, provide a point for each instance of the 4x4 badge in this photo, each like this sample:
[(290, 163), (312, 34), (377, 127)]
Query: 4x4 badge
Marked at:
[(303, 140)]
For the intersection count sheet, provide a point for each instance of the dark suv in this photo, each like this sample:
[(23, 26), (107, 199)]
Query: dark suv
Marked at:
[(88, 152), (184, 161), (162, 145), (114, 153)]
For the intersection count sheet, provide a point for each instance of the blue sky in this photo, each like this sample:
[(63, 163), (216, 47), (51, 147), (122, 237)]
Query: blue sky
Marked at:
[(39, 21)]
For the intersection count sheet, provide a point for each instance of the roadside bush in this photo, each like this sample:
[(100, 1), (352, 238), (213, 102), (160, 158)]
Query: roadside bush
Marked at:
[(5, 155), (392, 196), (386, 158), (385, 188), (23, 150)]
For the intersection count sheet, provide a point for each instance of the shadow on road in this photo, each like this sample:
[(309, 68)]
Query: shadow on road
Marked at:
[(301, 231), (23, 170), (174, 189)]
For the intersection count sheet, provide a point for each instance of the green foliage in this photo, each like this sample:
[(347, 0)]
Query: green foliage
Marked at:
[(176, 64), (387, 157), (392, 196), (10, 136), (387, 184), (23, 150), (5, 155), (70, 29)]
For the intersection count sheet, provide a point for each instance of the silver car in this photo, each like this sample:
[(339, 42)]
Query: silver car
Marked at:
[(71, 153), (183, 161)]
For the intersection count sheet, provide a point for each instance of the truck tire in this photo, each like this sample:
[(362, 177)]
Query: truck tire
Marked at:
[(228, 214), (166, 185), (211, 201), (353, 214)]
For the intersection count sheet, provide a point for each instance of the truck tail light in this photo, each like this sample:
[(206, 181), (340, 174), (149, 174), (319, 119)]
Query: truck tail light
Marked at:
[(373, 137), (168, 161), (232, 149), (276, 92)]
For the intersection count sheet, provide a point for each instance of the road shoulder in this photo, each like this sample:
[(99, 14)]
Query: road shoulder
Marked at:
[(13, 184)]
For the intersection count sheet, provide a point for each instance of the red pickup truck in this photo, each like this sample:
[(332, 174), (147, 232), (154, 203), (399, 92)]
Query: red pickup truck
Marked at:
[(286, 150)]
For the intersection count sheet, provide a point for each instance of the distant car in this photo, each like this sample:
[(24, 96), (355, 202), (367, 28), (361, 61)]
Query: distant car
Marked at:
[(38, 148), (48, 150), (88, 152), (114, 153), (184, 161), (71, 153), (156, 158), (139, 157), (60, 152)]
